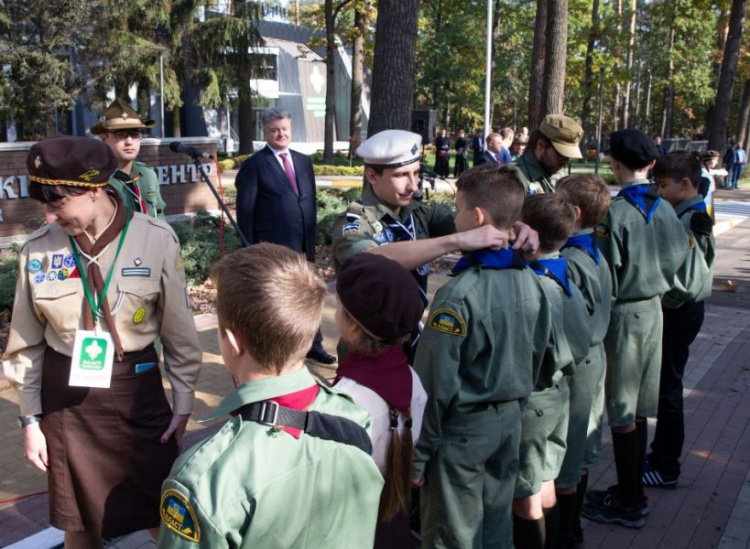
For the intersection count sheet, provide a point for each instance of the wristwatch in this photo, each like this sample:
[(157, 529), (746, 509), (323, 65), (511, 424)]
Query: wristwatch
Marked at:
[(23, 421)]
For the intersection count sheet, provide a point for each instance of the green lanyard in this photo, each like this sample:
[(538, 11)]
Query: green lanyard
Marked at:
[(92, 301)]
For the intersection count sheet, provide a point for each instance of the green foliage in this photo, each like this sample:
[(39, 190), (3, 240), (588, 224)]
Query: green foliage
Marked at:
[(8, 277), (331, 203), (199, 238), (327, 169)]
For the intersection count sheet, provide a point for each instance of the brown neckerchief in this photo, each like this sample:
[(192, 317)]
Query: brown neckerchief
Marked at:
[(95, 278)]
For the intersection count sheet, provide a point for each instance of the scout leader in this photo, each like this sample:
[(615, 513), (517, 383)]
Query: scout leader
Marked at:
[(122, 130), (90, 301), (550, 149), (390, 220)]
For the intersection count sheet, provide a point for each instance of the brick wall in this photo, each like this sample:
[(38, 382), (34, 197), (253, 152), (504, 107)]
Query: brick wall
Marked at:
[(180, 185)]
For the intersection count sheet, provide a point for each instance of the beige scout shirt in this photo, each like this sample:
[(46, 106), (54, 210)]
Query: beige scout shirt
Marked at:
[(147, 296)]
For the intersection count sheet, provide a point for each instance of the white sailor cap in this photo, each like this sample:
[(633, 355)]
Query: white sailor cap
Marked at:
[(390, 149)]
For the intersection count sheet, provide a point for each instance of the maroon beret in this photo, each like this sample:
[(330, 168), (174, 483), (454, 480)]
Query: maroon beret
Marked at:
[(381, 295), (67, 160)]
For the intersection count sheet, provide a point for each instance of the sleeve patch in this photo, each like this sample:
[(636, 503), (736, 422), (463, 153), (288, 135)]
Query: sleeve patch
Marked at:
[(179, 516), (447, 321), (351, 227), (602, 231)]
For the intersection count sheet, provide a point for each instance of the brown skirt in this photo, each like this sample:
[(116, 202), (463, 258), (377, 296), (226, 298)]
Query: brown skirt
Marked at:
[(107, 462)]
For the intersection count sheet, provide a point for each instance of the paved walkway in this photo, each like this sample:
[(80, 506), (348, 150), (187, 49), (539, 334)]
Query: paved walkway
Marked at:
[(710, 508)]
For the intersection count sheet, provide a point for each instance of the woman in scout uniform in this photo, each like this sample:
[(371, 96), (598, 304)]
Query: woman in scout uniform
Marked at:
[(90, 301)]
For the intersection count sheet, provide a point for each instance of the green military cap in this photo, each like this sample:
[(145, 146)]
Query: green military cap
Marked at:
[(564, 133), (120, 116), (74, 161)]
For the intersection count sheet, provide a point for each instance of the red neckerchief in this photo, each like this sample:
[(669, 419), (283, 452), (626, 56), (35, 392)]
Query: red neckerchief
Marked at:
[(300, 400), (387, 373)]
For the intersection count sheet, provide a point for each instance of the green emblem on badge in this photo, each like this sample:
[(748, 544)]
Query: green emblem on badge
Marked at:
[(139, 315), (447, 321), (94, 353), (178, 515)]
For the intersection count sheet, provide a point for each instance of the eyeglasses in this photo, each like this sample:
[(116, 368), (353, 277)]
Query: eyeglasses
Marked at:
[(121, 135), (560, 158)]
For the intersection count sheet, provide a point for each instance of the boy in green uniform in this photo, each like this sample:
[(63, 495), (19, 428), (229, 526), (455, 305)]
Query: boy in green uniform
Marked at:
[(292, 466), (644, 244), (678, 175), (545, 415), (122, 130), (589, 196), (485, 338)]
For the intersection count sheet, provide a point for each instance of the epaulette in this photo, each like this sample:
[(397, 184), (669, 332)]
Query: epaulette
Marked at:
[(163, 225), (701, 223)]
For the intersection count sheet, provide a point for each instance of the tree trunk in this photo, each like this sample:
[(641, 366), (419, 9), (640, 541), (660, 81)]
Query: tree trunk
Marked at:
[(330, 83), (537, 65), (718, 125), (176, 127), (394, 65), (358, 55), (588, 77), (553, 88), (744, 118), (618, 57), (668, 109), (436, 83), (3, 129), (629, 64), (246, 118)]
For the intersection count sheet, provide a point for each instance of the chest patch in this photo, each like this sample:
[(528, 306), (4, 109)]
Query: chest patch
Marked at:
[(136, 271)]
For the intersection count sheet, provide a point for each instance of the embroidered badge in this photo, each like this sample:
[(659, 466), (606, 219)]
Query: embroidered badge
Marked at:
[(447, 321), (602, 231), (62, 274), (69, 261), (351, 227), (140, 315), (377, 227), (57, 261), (136, 271), (89, 175), (414, 149), (137, 262), (52, 275), (38, 279), (691, 241), (34, 266), (178, 515)]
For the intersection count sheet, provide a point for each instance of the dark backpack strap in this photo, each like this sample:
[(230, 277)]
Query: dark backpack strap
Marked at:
[(315, 424)]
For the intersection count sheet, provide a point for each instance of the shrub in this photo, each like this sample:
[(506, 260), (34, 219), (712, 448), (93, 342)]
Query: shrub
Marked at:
[(331, 203), (328, 169), (8, 277)]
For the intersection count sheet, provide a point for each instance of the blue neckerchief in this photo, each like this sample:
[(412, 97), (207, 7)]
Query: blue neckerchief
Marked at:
[(506, 258), (585, 242), (643, 198), (556, 269), (698, 206), (403, 233)]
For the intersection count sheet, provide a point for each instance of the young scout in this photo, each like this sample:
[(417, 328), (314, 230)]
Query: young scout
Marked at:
[(122, 130), (644, 244), (678, 175), (484, 341), (589, 196), (545, 415), (292, 465)]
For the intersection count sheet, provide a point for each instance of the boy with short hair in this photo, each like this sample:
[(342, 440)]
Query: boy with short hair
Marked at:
[(292, 466), (678, 176), (590, 198), (485, 338), (545, 414), (644, 244)]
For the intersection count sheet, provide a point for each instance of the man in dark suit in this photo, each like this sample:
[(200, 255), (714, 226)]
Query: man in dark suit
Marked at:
[(276, 198), (492, 152)]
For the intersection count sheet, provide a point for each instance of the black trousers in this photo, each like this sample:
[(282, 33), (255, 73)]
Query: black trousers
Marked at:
[(460, 165), (681, 326)]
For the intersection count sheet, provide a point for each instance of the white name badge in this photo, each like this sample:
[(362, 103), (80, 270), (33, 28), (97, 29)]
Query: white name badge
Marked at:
[(93, 355)]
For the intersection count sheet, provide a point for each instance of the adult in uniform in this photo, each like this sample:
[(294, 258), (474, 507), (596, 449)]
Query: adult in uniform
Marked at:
[(550, 149), (122, 130), (88, 284), (442, 154), (276, 198)]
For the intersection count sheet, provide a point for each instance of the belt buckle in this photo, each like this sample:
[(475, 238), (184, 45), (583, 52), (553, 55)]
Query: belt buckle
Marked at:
[(269, 413)]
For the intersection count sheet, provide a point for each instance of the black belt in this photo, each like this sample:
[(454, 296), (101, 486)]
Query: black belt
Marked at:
[(315, 424)]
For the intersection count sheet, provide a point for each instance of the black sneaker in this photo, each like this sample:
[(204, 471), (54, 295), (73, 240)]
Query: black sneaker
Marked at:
[(597, 497), (652, 477), (609, 511)]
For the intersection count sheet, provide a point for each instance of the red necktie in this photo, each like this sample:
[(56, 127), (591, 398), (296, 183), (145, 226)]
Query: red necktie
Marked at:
[(290, 172), (137, 192)]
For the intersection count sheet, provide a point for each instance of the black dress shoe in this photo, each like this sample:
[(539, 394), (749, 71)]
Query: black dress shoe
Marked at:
[(317, 352)]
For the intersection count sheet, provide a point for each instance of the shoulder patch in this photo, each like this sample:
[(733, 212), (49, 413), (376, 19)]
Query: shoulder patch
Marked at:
[(447, 321), (602, 231), (179, 516), (701, 223), (351, 227)]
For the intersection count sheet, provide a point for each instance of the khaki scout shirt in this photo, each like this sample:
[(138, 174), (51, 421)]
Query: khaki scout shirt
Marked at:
[(488, 334), (147, 296), (643, 257), (533, 176), (695, 278), (148, 185), (251, 485), (364, 226)]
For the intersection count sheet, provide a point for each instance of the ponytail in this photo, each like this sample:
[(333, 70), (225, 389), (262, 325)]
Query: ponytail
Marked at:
[(396, 496)]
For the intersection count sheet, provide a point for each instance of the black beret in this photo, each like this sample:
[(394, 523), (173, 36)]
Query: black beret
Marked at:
[(633, 148), (75, 161), (381, 295)]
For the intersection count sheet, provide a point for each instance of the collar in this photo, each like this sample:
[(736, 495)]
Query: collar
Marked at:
[(642, 195), (263, 389), (555, 267), (507, 258), (277, 153), (694, 203), (533, 166), (371, 200), (584, 240)]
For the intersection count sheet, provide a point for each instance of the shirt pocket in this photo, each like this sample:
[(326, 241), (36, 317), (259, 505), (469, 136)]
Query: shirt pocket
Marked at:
[(137, 302), (60, 303)]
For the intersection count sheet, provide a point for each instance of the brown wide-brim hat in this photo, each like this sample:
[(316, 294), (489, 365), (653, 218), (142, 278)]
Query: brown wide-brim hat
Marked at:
[(120, 116), (564, 133), (71, 161)]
